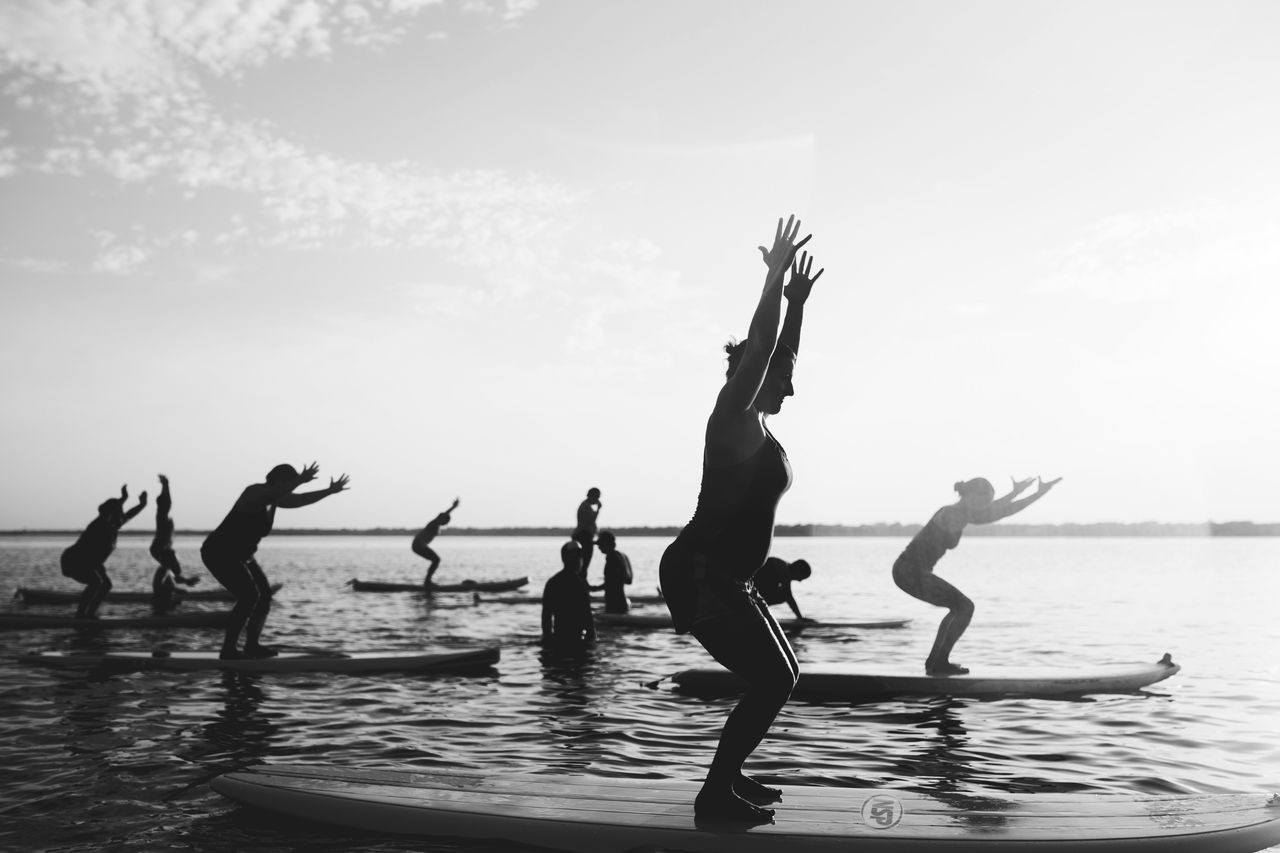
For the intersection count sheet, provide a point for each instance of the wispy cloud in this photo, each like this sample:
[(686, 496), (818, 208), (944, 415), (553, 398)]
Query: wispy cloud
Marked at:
[(1162, 254), (123, 87)]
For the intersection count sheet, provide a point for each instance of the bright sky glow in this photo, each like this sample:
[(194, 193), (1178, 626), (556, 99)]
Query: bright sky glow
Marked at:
[(492, 249)]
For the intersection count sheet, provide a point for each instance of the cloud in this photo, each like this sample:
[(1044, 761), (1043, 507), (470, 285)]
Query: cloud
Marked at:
[(123, 87), (1161, 254)]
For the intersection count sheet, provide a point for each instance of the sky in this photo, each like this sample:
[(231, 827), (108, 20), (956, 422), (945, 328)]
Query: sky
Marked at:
[(493, 250)]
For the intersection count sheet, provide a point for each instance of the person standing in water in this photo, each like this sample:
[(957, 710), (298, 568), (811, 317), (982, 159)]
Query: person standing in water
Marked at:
[(85, 560), (567, 621), (707, 572), (585, 533), (168, 574), (228, 552), (617, 574), (422, 542), (913, 570)]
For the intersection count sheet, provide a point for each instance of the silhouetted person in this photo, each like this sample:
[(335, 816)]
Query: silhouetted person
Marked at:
[(913, 570), (706, 572), (168, 574), (567, 621), (85, 560), (773, 582), (617, 574), (585, 533), (422, 541), (228, 551)]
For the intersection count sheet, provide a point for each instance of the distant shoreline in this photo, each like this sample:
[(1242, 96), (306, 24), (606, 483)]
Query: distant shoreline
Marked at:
[(895, 530)]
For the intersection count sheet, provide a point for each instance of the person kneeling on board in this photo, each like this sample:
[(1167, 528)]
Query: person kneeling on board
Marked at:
[(567, 621), (164, 583), (86, 560), (617, 574), (228, 551), (773, 582), (913, 570)]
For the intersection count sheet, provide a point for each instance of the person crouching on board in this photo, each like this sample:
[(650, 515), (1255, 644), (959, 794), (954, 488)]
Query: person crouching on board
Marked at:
[(706, 573), (617, 574), (168, 574), (228, 551), (913, 570), (422, 542), (85, 560), (774, 580), (567, 621)]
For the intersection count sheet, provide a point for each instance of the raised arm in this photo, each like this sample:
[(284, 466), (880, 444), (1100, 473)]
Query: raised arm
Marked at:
[(740, 390), (1007, 506), (797, 293), (142, 502), (292, 501)]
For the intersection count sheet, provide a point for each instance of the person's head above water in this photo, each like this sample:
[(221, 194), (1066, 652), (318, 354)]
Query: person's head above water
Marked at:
[(978, 489), (571, 555), (282, 473)]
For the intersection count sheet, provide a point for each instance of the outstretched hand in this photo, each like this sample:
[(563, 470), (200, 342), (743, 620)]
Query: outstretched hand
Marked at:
[(784, 249), (339, 484), (454, 506), (142, 499), (308, 473), (797, 290), (1020, 486), (1046, 485), (124, 492)]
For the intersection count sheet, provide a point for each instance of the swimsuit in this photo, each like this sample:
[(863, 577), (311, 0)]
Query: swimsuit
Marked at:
[(921, 554), (706, 572)]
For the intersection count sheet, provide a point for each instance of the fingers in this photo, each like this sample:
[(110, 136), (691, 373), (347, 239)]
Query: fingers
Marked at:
[(814, 280)]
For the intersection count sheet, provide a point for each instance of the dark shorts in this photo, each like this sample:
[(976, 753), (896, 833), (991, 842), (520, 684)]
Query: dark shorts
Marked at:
[(79, 568), (919, 582), (241, 576), (694, 592)]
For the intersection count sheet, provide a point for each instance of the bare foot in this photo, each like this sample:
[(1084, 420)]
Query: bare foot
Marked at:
[(726, 805), (945, 668), (755, 792)]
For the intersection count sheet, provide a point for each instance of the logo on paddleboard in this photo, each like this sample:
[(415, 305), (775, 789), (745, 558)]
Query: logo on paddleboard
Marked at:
[(881, 812)]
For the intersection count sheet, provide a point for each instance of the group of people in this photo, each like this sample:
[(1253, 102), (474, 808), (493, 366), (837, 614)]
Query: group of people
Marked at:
[(717, 576)]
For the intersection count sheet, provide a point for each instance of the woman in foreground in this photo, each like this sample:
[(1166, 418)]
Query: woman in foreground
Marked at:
[(706, 572)]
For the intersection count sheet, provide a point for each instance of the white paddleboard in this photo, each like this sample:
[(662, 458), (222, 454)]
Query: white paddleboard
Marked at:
[(858, 681), (663, 620), (425, 660), (195, 619), (609, 815), (462, 586)]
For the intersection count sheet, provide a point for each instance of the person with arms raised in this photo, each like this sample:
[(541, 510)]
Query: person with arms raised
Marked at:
[(913, 570), (707, 572), (422, 542), (168, 574), (86, 559), (228, 552)]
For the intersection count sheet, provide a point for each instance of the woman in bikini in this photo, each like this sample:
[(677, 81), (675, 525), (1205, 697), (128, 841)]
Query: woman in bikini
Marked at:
[(913, 570), (706, 572)]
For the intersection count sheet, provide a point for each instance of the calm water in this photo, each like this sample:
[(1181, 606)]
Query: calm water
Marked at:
[(122, 761)]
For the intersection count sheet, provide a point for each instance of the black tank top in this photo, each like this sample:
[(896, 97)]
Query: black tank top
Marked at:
[(733, 522), (241, 531), (927, 547), (97, 541)]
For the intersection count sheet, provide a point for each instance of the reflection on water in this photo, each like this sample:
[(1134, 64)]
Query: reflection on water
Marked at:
[(123, 759)]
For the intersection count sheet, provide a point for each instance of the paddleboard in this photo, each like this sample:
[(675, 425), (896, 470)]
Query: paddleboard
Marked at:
[(663, 620), (859, 681), (464, 586), (61, 596), (537, 599), (198, 619), (608, 814), (441, 659)]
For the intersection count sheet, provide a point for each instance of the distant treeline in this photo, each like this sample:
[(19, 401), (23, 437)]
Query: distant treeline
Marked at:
[(895, 530)]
